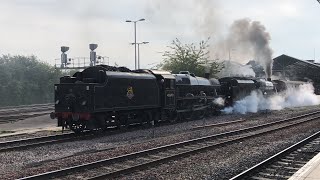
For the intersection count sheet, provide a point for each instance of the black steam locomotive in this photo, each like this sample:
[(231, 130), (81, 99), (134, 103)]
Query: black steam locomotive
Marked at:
[(102, 96)]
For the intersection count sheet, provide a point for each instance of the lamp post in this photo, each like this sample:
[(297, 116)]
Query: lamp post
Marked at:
[(145, 42), (135, 40)]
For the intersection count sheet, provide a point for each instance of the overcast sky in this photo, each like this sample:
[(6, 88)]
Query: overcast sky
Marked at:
[(40, 27)]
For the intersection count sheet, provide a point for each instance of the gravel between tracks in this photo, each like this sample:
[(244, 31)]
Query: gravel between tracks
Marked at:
[(216, 164), (228, 161)]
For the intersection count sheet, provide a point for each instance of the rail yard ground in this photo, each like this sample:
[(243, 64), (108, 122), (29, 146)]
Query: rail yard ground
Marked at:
[(218, 163), (29, 125)]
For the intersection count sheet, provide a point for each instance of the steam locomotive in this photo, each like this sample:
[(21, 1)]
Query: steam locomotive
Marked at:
[(103, 96)]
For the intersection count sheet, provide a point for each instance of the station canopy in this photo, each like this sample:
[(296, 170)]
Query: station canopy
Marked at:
[(296, 69)]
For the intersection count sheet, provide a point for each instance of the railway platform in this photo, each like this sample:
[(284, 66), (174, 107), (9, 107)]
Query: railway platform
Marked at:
[(310, 171)]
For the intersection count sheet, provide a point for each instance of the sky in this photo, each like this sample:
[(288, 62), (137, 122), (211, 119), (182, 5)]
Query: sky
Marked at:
[(40, 27)]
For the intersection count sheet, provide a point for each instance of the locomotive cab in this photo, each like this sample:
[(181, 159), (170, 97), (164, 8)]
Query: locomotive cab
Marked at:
[(167, 86)]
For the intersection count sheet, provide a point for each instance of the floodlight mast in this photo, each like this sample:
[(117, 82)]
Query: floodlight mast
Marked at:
[(64, 56), (93, 54), (135, 40)]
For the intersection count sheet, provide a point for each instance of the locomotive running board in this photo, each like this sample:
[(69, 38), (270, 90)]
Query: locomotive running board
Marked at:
[(193, 109)]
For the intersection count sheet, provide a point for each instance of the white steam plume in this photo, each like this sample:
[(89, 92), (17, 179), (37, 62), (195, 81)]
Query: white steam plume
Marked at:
[(232, 69), (219, 101), (292, 97)]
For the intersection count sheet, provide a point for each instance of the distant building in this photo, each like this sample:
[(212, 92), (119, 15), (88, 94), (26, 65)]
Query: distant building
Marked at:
[(292, 68)]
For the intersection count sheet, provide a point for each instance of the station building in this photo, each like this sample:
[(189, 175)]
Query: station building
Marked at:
[(291, 68)]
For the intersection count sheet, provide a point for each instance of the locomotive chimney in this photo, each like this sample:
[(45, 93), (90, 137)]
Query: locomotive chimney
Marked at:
[(93, 54), (268, 79)]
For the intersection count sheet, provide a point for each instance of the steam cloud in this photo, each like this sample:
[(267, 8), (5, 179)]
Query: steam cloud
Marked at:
[(293, 97), (245, 39), (232, 68), (219, 101)]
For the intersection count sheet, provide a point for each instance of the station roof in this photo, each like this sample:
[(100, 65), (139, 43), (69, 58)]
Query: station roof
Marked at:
[(295, 68)]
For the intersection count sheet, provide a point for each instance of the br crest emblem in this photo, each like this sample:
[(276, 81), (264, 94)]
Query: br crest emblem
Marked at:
[(130, 92)]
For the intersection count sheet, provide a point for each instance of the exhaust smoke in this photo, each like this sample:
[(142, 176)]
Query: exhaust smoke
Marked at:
[(292, 97), (250, 40), (244, 40)]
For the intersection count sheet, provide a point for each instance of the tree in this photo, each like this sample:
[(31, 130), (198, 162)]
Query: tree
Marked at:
[(189, 57), (26, 80)]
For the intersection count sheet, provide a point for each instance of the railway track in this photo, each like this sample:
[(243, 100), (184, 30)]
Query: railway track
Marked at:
[(44, 140), (217, 124), (124, 164), (26, 106), (285, 163), (11, 114), (39, 141), (23, 109)]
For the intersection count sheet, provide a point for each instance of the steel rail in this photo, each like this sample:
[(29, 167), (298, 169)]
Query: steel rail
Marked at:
[(217, 124), (183, 154), (245, 174), (39, 141), (25, 106), (193, 142), (21, 116), (25, 110)]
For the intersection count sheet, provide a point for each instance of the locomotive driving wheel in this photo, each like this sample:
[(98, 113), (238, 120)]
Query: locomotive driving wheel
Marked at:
[(188, 115), (173, 116), (200, 114), (188, 105)]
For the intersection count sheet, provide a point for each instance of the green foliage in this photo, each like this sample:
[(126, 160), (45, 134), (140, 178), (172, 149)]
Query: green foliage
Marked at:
[(189, 57), (26, 80)]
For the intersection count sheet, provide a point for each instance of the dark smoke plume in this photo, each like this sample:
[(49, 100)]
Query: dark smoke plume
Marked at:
[(245, 40), (250, 37)]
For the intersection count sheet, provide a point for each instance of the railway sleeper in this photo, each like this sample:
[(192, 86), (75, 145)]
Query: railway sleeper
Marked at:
[(295, 169), (275, 176), (259, 178)]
